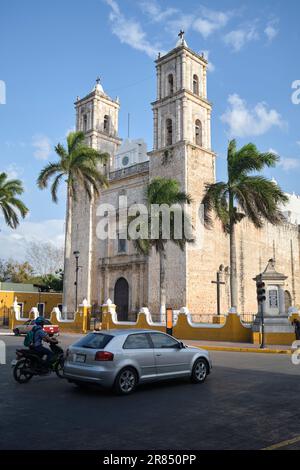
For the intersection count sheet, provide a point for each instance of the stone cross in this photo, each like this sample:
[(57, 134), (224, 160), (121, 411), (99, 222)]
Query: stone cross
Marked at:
[(218, 282), (181, 34)]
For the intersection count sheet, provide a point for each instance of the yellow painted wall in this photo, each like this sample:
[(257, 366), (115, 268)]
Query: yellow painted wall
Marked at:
[(30, 299), (232, 330)]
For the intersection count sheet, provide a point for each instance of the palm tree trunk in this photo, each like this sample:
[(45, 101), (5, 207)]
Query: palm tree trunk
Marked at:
[(162, 274), (233, 269), (68, 246)]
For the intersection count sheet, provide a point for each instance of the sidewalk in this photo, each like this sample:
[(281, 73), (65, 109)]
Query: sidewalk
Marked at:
[(238, 347)]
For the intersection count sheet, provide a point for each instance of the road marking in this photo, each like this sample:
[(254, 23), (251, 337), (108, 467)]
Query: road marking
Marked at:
[(283, 443)]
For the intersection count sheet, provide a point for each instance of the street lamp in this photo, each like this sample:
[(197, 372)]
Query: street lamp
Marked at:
[(76, 254)]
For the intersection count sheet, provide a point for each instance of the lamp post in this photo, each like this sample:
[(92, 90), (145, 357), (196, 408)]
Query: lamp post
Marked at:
[(76, 254)]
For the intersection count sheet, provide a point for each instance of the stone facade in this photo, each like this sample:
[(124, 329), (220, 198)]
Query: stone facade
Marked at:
[(181, 150)]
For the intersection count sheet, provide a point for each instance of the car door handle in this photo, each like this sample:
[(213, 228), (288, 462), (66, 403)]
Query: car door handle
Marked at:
[(158, 354)]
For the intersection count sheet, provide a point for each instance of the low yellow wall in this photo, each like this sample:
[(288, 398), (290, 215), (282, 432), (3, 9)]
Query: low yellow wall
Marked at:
[(275, 338), (80, 324), (232, 330)]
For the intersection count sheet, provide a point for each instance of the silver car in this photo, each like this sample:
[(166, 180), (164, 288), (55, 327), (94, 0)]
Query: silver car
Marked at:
[(122, 359)]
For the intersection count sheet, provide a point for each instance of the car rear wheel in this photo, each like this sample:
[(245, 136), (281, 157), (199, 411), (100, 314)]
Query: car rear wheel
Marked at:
[(200, 371), (126, 381), (22, 371)]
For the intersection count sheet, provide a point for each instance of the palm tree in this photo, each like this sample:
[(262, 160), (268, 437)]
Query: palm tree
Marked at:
[(243, 195), (9, 203), (161, 191), (79, 165)]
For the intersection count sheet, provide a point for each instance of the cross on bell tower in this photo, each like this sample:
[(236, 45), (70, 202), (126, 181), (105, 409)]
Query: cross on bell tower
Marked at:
[(181, 34)]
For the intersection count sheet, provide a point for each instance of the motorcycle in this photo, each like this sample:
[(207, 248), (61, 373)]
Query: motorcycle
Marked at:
[(30, 363)]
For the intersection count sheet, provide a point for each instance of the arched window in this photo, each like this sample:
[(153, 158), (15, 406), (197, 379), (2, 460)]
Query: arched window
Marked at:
[(198, 132), (170, 84), (169, 132), (196, 84), (106, 123), (84, 125)]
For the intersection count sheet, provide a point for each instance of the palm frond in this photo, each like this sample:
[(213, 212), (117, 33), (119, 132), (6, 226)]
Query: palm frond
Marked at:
[(47, 172)]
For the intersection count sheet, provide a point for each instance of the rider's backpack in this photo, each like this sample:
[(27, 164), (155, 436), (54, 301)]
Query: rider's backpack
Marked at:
[(29, 339)]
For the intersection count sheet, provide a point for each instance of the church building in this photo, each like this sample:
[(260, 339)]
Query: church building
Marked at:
[(181, 150)]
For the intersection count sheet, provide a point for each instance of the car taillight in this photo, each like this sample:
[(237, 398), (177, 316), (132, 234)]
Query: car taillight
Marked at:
[(104, 356)]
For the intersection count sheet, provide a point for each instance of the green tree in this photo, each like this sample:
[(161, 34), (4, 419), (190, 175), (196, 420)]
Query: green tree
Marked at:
[(243, 195), (162, 191), (79, 165), (10, 204), (13, 271)]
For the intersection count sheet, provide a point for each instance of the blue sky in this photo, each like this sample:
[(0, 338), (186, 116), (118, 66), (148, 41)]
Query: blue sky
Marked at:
[(50, 52)]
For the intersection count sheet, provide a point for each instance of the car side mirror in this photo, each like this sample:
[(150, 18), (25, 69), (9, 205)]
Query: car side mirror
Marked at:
[(181, 345)]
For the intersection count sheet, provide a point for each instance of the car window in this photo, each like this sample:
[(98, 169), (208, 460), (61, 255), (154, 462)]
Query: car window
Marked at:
[(47, 322), (94, 341), (163, 341), (137, 341), (27, 322), (32, 322)]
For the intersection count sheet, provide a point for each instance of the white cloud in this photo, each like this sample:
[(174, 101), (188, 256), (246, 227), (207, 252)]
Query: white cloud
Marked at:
[(14, 243), (211, 21), (210, 65), (243, 121), (13, 171), (42, 145), (271, 30), (155, 12), (181, 21), (288, 164), (238, 38), (298, 142), (129, 31)]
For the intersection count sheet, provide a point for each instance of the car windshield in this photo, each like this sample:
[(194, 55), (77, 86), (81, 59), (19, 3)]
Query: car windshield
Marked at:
[(94, 341)]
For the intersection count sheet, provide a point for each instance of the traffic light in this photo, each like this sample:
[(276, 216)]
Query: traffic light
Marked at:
[(260, 291)]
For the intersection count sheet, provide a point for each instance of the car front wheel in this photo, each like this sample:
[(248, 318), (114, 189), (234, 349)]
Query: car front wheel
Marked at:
[(126, 381), (16, 332), (200, 371)]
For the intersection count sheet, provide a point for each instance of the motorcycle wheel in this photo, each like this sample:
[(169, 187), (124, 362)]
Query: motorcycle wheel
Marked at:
[(22, 372), (59, 368)]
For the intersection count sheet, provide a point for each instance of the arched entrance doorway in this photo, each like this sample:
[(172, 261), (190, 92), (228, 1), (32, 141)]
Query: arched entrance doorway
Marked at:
[(121, 298)]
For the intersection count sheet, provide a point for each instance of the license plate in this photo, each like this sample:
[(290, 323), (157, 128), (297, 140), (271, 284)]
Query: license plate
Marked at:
[(80, 358), (14, 362)]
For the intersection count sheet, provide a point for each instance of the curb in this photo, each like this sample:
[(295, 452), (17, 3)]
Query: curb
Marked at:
[(236, 349)]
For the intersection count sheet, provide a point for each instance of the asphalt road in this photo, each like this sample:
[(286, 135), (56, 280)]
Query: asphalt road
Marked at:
[(250, 401)]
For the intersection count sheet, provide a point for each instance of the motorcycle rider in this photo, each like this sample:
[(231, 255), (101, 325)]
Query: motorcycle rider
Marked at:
[(39, 335)]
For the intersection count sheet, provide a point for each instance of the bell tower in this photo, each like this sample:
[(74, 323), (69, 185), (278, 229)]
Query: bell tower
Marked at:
[(181, 149), (181, 111), (97, 117)]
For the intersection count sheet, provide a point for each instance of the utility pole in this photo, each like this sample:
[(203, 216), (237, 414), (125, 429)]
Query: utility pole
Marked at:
[(218, 282)]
